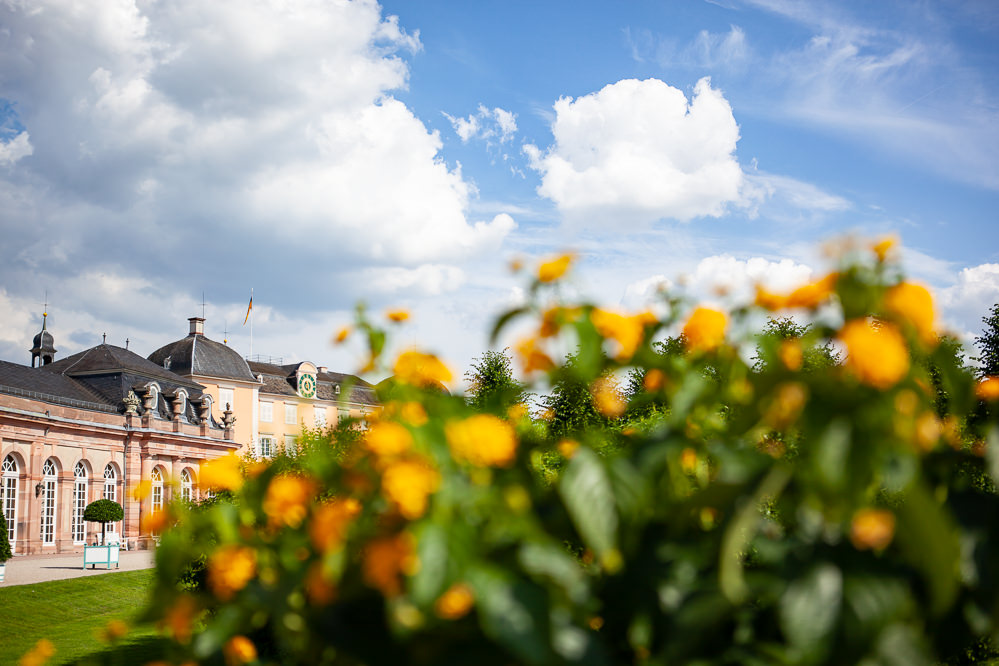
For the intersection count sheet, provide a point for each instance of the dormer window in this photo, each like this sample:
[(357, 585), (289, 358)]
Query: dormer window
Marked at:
[(336, 389)]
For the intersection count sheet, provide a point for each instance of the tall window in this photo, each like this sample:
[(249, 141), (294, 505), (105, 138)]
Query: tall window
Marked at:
[(266, 412), (320, 415), (226, 398), (186, 486), (79, 502), (290, 443), (266, 446), (290, 413), (157, 479), (49, 480), (110, 483), (8, 495)]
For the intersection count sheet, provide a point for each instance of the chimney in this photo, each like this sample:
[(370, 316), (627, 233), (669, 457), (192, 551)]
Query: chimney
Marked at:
[(322, 369), (197, 325)]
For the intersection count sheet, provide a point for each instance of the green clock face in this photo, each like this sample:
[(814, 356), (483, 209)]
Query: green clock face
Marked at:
[(307, 386)]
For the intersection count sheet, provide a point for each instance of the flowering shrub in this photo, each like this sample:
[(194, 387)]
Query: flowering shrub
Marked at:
[(766, 511)]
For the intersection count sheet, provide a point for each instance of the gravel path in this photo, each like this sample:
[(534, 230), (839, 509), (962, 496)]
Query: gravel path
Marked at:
[(22, 570)]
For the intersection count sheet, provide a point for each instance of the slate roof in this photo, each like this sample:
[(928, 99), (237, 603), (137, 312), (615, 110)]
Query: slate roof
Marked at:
[(200, 356), (16, 379), (280, 380)]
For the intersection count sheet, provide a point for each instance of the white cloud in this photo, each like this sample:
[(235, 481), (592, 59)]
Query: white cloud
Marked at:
[(638, 151), (428, 279), (13, 150), (970, 298), (491, 125)]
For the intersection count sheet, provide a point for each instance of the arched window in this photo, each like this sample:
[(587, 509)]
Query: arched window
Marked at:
[(186, 486), (79, 502), (110, 483), (8, 496), (157, 478), (50, 479)]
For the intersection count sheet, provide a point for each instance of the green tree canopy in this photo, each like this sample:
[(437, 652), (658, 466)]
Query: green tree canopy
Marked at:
[(103, 511), (5, 553), (491, 383), (988, 344)]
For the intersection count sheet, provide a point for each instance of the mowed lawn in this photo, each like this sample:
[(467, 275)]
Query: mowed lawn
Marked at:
[(73, 614)]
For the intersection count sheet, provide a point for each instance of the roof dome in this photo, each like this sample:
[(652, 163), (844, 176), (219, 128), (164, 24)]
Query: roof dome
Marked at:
[(44, 341), (202, 357), (43, 348)]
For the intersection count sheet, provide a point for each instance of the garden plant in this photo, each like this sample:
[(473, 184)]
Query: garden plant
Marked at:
[(807, 494)]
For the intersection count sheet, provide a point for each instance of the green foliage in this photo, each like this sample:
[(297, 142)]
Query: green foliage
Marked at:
[(103, 511), (5, 553), (643, 403), (988, 344), (492, 387), (812, 512)]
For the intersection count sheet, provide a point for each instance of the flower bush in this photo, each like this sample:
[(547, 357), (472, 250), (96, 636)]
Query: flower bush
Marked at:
[(766, 511)]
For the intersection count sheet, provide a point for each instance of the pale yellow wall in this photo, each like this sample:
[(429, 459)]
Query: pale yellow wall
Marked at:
[(244, 403)]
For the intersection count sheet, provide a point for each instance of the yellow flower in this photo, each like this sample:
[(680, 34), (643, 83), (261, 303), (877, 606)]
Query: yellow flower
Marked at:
[(531, 357), (455, 602), (517, 412), (239, 650), (875, 354), (813, 294), (626, 331), (330, 522), (398, 315), (769, 300), (654, 380), (482, 440), (884, 247), (385, 560), (913, 304), (39, 654), (705, 330), (568, 447), (554, 268), (287, 500), (154, 522), (928, 430), (790, 354), (988, 389), (320, 590), (688, 460), (872, 529), (786, 405), (230, 568), (421, 369), (221, 473), (413, 413), (408, 484), (179, 618), (387, 439), (142, 489), (114, 630), (607, 399), (342, 335)]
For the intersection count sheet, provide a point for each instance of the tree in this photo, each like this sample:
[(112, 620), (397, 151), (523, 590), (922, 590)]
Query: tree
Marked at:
[(570, 403), (816, 353), (640, 402), (103, 511), (5, 553), (491, 383), (988, 344)]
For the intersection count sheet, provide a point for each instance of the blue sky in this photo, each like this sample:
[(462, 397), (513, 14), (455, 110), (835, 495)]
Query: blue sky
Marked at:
[(329, 152)]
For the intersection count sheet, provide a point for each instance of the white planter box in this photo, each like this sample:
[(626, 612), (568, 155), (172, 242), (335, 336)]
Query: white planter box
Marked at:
[(94, 555)]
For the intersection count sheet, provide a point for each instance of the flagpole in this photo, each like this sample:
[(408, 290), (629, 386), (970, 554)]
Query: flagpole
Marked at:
[(251, 322)]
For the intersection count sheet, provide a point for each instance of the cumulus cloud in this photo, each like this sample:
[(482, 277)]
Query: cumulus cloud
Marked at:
[(494, 125), (638, 151), (970, 298), (13, 150)]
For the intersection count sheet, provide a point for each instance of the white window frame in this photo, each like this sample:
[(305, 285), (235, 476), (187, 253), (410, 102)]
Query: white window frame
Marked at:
[(110, 483), (79, 528), (156, 479), (47, 519), (290, 413), (266, 411), (266, 446), (290, 443), (186, 485), (227, 395), (8, 495)]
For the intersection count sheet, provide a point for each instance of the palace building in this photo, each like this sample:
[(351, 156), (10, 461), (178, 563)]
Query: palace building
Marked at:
[(95, 424)]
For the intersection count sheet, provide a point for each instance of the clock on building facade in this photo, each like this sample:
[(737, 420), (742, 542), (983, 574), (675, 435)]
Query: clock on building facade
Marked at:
[(307, 385)]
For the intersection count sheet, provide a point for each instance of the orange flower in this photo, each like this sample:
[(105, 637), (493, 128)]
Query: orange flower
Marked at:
[(568, 447), (330, 522), (342, 335), (142, 489), (114, 630), (421, 369), (872, 529), (787, 404), (705, 330), (385, 560), (627, 332), (398, 315), (607, 399), (154, 522), (532, 358), (988, 389), (912, 304), (555, 268), (482, 440), (688, 460), (928, 430), (408, 484), (654, 380), (387, 439), (875, 354), (319, 588), (179, 618), (221, 473), (884, 246), (239, 650), (517, 412), (39, 654), (287, 500), (230, 568), (455, 602), (413, 413), (813, 294), (768, 300), (790, 354)]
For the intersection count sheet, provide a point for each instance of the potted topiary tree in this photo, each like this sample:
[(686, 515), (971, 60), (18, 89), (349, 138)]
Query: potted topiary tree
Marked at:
[(5, 553), (103, 511)]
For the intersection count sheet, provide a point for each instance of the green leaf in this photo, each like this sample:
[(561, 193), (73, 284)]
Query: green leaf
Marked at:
[(502, 321), (928, 540), (589, 499), (809, 610), (430, 578), (992, 453), (553, 562), (832, 451), (514, 613)]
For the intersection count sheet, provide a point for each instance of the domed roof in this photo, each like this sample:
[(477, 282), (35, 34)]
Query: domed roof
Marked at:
[(199, 356), (44, 340)]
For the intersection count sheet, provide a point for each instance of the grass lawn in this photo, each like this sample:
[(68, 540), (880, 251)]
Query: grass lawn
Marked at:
[(72, 614)]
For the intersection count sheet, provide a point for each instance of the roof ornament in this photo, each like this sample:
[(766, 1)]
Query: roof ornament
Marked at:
[(131, 403), (105, 341), (228, 420)]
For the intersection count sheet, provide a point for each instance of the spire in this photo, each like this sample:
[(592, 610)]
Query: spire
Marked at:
[(43, 350)]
